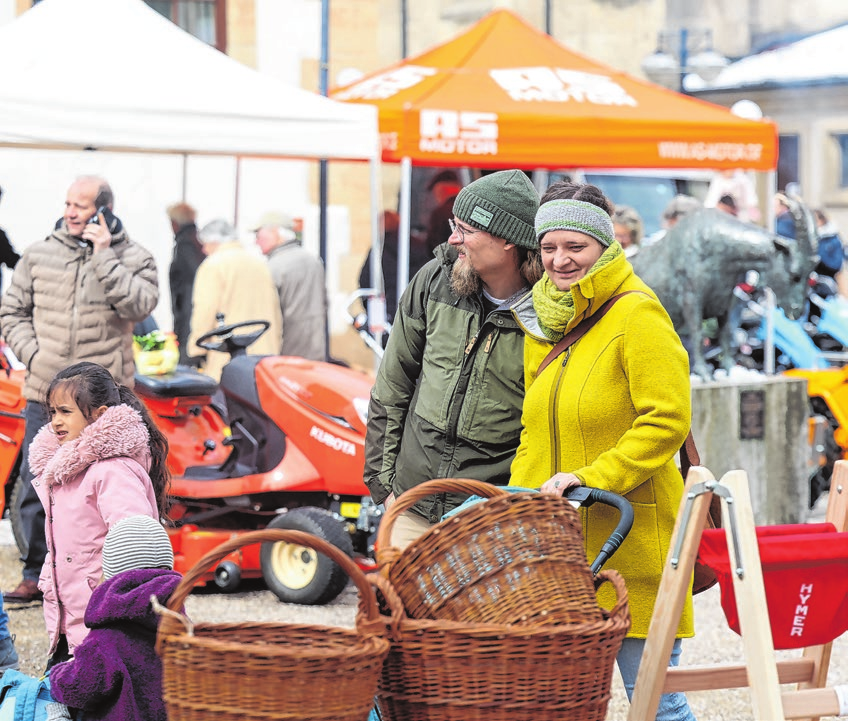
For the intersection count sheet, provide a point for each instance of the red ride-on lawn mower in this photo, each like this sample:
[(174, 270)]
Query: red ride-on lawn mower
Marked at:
[(11, 427), (288, 455)]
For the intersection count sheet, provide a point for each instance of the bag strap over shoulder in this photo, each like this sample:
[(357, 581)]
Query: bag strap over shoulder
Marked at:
[(578, 331), (34, 691)]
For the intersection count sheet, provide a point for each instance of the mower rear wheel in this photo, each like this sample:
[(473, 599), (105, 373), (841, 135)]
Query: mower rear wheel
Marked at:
[(297, 574), (21, 540)]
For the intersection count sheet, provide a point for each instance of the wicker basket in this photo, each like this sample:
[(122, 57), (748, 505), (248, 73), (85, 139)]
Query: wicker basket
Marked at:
[(237, 671), (447, 671), (513, 558)]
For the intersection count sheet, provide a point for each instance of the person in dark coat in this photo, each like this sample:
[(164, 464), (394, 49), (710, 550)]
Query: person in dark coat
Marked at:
[(784, 223), (188, 255), (444, 186), (8, 255), (418, 256), (831, 252), (115, 674)]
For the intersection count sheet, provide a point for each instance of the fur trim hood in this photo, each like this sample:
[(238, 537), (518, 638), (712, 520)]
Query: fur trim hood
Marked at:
[(119, 432)]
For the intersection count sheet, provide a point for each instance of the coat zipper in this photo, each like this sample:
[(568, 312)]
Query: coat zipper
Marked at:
[(76, 299)]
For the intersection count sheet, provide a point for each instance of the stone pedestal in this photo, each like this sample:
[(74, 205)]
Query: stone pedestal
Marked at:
[(761, 428)]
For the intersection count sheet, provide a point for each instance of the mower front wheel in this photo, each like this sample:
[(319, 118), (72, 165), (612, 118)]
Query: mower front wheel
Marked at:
[(297, 574), (227, 576)]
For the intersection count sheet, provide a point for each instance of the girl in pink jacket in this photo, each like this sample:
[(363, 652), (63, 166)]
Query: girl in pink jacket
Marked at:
[(99, 460)]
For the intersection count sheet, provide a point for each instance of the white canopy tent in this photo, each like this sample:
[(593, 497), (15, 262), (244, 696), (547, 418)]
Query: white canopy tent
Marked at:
[(114, 75)]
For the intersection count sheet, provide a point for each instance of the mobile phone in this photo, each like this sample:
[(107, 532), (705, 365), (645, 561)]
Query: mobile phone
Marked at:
[(107, 216), (96, 217)]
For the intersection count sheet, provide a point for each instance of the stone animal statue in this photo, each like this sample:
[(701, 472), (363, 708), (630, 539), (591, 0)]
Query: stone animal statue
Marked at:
[(694, 268)]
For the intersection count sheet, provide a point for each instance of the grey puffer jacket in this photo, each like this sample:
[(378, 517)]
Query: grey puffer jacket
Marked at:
[(67, 304), (448, 395)]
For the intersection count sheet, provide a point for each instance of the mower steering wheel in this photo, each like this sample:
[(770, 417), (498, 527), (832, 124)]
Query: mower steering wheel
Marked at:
[(223, 338)]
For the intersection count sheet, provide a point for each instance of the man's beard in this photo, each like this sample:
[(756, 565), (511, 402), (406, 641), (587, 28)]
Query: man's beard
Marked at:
[(465, 281)]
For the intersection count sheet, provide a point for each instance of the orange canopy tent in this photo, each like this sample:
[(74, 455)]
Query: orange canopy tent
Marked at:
[(504, 94)]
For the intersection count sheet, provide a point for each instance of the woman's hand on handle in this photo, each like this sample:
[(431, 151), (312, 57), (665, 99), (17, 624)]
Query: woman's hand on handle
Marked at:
[(559, 483)]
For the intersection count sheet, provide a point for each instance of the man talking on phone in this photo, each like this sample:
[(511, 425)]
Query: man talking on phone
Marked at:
[(75, 296)]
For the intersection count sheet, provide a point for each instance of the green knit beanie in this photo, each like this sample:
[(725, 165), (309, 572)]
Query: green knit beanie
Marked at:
[(503, 204)]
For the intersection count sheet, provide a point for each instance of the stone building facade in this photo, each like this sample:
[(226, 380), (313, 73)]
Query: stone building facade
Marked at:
[(283, 38)]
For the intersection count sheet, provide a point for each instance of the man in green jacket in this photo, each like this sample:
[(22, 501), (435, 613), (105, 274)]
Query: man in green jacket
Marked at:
[(448, 395)]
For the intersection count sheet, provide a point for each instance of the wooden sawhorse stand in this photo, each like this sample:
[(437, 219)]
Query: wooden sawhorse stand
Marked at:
[(761, 672)]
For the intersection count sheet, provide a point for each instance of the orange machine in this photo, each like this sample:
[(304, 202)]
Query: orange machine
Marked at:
[(288, 452), (11, 424)]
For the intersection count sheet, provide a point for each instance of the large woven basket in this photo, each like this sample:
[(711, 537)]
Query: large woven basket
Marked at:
[(448, 671), (513, 558), (237, 671)]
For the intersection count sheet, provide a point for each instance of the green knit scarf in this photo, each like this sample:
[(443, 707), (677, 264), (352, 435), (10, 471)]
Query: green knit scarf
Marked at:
[(555, 308)]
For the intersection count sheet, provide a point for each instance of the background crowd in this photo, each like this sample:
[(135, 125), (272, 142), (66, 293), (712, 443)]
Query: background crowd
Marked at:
[(483, 368)]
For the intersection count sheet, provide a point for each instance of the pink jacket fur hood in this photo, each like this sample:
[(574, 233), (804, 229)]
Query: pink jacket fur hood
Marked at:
[(86, 486)]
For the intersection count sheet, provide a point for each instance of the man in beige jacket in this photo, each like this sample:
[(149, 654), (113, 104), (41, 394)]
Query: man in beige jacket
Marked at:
[(75, 295), (236, 282)]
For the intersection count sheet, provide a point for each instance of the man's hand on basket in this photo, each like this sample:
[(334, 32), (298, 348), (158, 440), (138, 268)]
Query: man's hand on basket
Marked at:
[(558, 484)]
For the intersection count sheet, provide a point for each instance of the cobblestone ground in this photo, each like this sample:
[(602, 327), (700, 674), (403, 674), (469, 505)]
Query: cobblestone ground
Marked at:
[(714, 641)]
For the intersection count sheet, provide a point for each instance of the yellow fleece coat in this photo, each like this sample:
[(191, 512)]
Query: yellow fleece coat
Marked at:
[(613, 410)]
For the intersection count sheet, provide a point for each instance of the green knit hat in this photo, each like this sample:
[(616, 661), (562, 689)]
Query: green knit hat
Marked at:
[(503, 204)]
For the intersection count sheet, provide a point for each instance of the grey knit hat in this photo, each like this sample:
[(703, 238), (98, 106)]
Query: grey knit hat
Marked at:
[(576, 215), (503, 204), (136, 542)]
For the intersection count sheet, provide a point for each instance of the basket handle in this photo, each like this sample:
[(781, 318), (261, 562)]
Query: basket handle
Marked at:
[(368, 615), (614, 577), (385, 552), (393, 601)]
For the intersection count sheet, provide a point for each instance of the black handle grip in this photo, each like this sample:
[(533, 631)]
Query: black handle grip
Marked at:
[(589, 496)]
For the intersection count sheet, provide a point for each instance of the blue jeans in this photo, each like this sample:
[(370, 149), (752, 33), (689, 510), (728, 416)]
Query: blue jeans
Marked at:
[(4, 621), (673, 706)]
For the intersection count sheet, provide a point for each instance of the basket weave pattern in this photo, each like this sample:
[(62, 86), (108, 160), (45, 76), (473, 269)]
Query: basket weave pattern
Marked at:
[(234, 671), (514, 558), (494, 614), (447, 671)]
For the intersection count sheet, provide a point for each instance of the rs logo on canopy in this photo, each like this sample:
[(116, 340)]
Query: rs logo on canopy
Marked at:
[(386, 85), (560, 86), (451, 131)]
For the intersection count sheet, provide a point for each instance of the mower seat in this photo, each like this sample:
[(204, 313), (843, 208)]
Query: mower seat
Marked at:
[(184, 381)]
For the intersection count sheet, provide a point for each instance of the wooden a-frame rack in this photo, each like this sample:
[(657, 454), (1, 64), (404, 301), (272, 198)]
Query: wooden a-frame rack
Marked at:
[(761, 671)]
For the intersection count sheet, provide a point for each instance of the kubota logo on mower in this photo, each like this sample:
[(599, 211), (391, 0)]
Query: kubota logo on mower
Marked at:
[(558, 85), (328, 439), (449, 131)]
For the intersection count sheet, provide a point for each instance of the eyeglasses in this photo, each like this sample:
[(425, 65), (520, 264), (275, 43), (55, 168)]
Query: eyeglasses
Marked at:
[(457, 228)]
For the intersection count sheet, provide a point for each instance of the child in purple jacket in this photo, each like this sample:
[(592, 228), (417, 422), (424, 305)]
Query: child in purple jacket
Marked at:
[(115, 672)]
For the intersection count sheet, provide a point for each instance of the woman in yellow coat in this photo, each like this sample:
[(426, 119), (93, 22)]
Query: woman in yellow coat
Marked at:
[(610, 412)]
